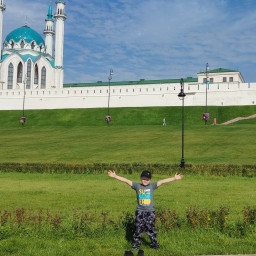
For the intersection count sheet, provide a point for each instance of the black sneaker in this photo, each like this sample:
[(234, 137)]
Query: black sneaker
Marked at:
[(140, 253), (128, 253)]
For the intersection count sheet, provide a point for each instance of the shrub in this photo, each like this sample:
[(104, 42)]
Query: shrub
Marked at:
[(157, 168), (167, 219), (207, 219), (249, 215)]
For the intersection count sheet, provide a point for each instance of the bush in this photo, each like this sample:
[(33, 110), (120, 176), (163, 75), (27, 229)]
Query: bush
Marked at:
[(82, 224), (202, 218), (99, 168)]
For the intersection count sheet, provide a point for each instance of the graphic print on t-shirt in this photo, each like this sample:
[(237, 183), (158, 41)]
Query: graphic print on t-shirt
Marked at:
[(144, 197)]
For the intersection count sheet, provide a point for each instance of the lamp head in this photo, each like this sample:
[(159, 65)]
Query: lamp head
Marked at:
[(111, 73), (181, 94)]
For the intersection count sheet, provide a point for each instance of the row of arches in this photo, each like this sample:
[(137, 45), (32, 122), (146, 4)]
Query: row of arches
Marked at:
[(23, 45), (49, 28), (27, 78)]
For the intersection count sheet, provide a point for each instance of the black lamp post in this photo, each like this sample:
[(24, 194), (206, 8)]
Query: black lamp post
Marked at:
[(111, 73), (182, 96)]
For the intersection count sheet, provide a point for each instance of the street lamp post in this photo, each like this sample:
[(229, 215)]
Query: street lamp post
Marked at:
[(23, 118), (23, 107), (206, 85), (111, 73), (182, 96)]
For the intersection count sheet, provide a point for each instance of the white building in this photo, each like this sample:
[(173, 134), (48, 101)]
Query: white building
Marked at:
[(27, 60), (220, 75), (31, 77)]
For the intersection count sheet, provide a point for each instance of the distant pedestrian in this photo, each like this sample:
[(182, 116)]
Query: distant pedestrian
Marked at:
[(215, 121), (164, 123)]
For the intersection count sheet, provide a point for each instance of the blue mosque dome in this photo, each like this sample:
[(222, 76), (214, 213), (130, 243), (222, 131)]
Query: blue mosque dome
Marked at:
[(26, 33)]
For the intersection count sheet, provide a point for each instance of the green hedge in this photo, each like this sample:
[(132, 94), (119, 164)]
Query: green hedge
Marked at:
[(99, 168)]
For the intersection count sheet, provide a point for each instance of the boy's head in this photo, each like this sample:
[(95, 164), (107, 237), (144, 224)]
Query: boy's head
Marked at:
[(145, 177)]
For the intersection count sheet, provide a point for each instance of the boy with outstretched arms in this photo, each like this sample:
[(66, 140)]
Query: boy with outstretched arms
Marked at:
[(145, 212)]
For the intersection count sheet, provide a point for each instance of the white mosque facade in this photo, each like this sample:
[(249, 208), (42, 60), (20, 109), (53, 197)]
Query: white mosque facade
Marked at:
[(27, 60), (31, 76)]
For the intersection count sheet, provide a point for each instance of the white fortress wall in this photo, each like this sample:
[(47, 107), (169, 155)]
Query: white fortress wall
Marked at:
[(229, 94)]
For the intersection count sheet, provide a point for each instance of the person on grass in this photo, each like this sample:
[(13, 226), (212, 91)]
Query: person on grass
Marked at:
[(145, 212)]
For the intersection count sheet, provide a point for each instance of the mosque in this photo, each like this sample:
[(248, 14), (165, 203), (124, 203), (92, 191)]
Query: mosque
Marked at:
[(27, 60), (31, 76)]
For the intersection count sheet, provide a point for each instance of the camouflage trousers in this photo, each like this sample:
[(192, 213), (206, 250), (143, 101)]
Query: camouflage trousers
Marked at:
[(145, 221)]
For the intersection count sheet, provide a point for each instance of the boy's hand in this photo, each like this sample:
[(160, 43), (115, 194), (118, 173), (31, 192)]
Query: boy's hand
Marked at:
[(178, 176), (112, 174)]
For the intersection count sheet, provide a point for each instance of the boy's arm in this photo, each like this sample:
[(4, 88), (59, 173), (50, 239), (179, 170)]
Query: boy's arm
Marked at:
[(176, 177), (112, 174)]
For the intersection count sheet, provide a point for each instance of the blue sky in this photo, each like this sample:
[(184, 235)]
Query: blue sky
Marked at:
[(147, 39)]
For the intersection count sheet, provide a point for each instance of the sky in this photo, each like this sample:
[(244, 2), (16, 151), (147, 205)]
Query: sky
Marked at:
[(147, 39)]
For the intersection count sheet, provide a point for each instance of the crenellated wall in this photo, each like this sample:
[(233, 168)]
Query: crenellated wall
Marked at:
[(228, 94)]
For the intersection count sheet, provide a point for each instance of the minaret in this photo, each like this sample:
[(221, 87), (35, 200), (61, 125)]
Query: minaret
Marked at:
[(2, 8), (49, 31), (60, 17)]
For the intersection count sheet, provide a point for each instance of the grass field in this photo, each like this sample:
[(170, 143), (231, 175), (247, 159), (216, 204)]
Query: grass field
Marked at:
[(64, 193), (134, 135)]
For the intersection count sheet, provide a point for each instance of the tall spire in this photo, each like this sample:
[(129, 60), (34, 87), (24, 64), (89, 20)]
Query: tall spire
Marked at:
[(49, 32), (49, 15)]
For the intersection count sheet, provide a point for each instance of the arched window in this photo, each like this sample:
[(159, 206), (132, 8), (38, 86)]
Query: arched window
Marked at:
[(43, 78), (36, 75), (33, 45), (12, 44), (10, 76), (28, 82), (19, 73), (22, 44)]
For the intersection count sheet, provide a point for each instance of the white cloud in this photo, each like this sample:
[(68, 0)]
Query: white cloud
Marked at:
[(151, 39)]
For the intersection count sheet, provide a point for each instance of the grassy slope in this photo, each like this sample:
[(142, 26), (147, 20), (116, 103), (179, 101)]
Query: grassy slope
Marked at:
[(122, 116), (134, 135)]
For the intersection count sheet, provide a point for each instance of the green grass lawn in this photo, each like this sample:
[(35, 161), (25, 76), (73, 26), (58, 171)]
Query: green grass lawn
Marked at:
[(97, 193), (65, 192), (134, 135), (232, 144)]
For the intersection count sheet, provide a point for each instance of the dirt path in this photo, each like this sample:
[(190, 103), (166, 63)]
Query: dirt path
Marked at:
[(238, 119)]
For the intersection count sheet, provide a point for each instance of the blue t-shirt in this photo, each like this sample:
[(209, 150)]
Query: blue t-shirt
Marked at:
[(145, 199)]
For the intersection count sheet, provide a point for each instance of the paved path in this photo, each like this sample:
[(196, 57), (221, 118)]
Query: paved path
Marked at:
[(238, 119)]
